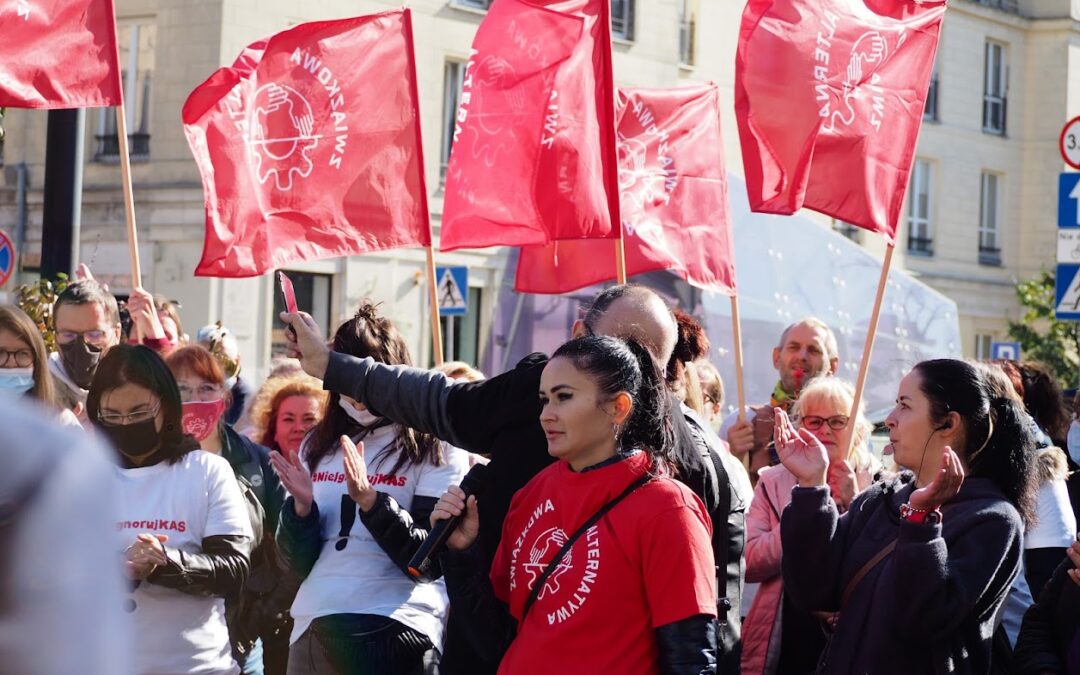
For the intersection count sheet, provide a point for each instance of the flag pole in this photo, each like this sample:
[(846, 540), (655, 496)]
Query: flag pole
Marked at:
[(433, 303), (868, 347), (620, 257), (129, 195), (736, 328)]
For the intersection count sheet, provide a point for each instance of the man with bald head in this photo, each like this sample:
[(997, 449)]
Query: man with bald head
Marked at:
[(807, 349), (500, 416)]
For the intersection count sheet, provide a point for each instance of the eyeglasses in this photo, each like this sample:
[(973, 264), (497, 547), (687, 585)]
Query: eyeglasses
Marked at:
[(22, 358), (207, 391), (121, 419), (814, 422), (93, 337)]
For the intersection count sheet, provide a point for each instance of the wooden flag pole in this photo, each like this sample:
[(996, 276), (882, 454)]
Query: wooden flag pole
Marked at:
[(868, 346), (736, 328), (620, 258), (129, 195), (433, 302)]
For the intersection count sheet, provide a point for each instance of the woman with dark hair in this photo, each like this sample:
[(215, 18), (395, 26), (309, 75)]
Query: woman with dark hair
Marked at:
[(918, 566), (24, 363), (362, 489), (258, 617), (183, 514), (1044, 401), (605, 562)]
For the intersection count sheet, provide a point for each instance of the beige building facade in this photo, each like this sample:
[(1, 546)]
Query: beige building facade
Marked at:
[(984, 211)]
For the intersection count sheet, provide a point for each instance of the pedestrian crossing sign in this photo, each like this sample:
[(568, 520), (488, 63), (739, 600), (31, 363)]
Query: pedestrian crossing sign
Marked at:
[(1067, 305), (453, 290)]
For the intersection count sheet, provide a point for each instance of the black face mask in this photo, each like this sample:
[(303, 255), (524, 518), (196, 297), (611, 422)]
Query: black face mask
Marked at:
[(81, 360), (135, 439)]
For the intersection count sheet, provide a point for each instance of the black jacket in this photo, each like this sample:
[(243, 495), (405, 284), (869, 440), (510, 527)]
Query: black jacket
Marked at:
[(499, 416), (1050, 626)]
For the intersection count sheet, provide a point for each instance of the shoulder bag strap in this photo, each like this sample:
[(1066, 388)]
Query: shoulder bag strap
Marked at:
[(864, 570), (551, 566)]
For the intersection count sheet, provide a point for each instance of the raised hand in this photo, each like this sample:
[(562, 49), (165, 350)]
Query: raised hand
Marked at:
[(356, 475), (800, 451), (306, 342), (140, 306), (944, 487), (454, 503), (843, 483), (296, 479)]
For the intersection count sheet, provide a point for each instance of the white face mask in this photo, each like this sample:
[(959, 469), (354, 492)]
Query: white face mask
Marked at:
[(362, 417), (1074, 441)]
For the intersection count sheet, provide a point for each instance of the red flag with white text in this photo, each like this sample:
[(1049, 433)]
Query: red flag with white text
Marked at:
[(58, 54), (829, 98), (673, 200), (309, 147), (534, 154)]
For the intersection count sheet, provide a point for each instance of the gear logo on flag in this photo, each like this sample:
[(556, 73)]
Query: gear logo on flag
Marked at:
[(281, 125)]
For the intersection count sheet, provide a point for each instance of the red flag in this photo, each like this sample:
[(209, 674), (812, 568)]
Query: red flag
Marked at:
[(829, 97), (58, 54), (309, 147), (534, 147), (673, 200)]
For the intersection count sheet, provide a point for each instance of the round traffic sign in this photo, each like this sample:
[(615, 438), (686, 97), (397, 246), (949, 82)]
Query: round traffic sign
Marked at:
[(1069, 143), (7, 258)]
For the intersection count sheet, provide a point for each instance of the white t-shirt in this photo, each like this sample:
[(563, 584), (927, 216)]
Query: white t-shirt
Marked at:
[(353, 575), (1056, 526), (194, 498)]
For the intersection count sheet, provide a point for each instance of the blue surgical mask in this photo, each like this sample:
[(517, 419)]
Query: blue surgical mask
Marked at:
[(1074, 441), (16, 380)]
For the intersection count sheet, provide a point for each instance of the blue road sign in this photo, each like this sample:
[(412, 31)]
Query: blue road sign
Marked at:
[(1069, 200), (1067, 304), (453, 290), (1005, 350)]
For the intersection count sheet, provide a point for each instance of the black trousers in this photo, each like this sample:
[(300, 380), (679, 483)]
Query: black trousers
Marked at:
[(362, 644)]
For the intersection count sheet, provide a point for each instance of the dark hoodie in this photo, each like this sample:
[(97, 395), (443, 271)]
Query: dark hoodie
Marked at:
[(928, 607)]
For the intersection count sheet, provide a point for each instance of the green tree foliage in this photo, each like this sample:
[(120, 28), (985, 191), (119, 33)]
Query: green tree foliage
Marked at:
[(1041, 336)]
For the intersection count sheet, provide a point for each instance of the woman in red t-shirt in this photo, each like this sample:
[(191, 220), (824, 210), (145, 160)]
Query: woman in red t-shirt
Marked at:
[(635, 590)]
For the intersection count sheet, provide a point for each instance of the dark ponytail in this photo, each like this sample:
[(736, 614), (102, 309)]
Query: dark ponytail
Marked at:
[(998, 440), (616, 365)]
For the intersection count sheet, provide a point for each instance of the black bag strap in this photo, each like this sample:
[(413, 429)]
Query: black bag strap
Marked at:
[(551, 566)]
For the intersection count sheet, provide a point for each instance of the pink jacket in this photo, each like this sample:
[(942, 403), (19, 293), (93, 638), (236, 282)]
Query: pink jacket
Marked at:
[(760, 652)]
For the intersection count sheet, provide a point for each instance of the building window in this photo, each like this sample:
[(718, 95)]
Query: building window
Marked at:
[(136, 42), (453, 77), (687, 31), (622, 19), (982, 346), (994, 86), (312, 296), (990, 220), (930, 112), (472, 4), (852, 232), (920, 235)]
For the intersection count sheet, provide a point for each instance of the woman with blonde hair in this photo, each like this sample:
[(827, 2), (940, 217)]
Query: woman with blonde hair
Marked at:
[(285, 409), (778, 637)]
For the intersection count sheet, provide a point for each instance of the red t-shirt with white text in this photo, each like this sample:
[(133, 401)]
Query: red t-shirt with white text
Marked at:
[(647, 563)]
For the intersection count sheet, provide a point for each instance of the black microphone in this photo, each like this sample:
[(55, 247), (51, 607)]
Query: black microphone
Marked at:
[(473, 483)]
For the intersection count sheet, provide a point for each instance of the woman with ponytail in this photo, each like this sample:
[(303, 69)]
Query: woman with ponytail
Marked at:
[(605, 563), (362, 489), (918, 567)]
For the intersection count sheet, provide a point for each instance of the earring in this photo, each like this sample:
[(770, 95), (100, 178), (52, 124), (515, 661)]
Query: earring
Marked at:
[(617, 431)]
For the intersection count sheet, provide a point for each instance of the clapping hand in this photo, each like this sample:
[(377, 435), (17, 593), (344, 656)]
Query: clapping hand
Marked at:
[(800, 451), (360, 488), (296, 479), (146, 554), (944, 487)]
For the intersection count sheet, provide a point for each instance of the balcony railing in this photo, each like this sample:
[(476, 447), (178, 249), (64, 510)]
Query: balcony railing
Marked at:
[(989, 255), (920, 246)]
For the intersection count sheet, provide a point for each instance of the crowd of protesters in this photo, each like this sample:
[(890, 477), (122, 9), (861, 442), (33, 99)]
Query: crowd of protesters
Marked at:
[(623, 525)]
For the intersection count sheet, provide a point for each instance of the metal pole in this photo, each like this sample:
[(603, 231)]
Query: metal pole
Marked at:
[(61, 214)]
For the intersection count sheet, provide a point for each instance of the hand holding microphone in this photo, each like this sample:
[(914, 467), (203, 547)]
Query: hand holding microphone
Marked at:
[(455, 522)]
